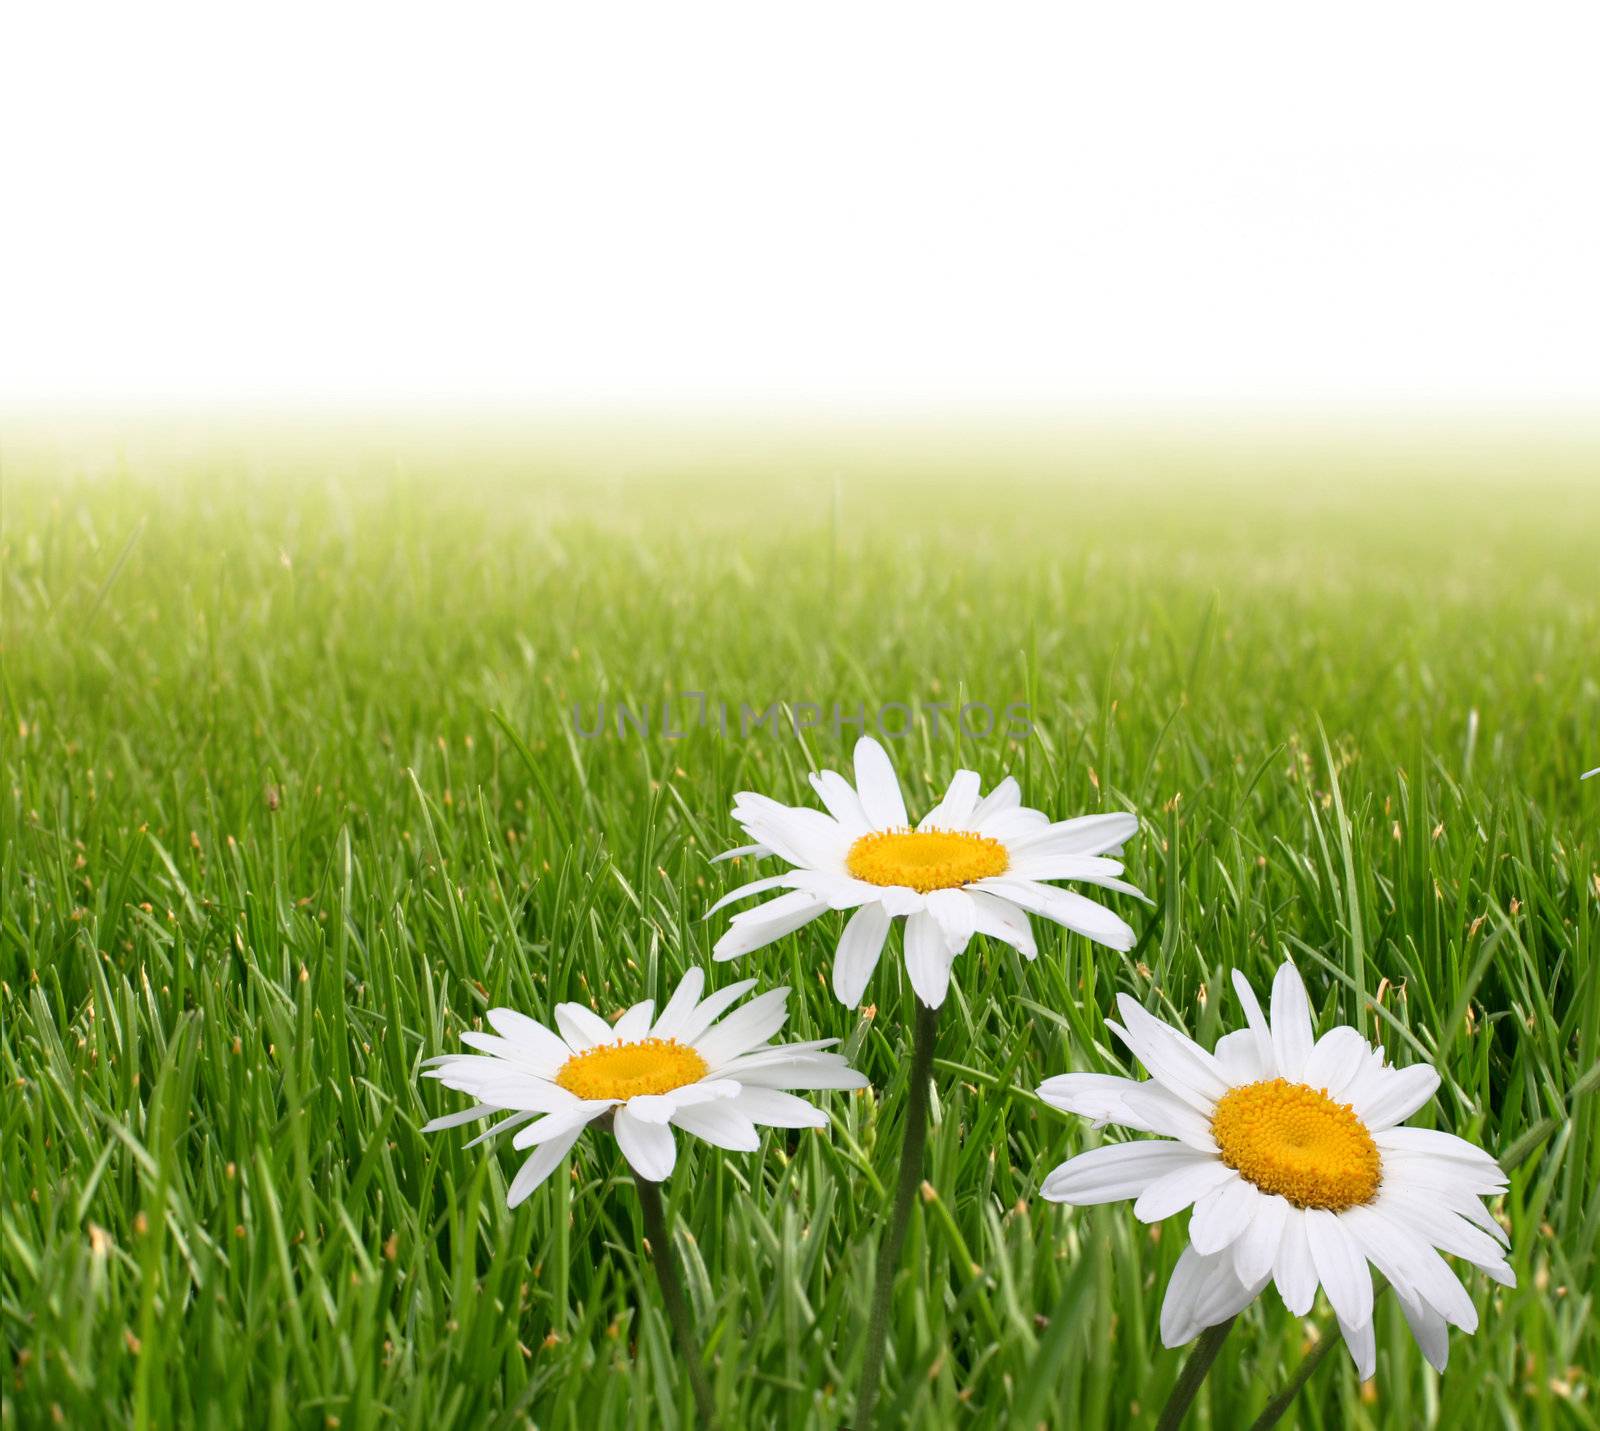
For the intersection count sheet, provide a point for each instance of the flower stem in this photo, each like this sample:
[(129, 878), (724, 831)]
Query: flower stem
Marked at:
[(1308, 1364), (655, 1231), (1193, 1373), (911, 1151)]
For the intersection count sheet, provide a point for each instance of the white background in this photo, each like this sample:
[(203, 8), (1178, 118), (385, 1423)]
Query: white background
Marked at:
[(809, 203)]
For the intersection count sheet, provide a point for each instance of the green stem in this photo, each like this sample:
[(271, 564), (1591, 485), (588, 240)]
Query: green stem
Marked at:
[(655, 1231), (1308, 1364), (1193, 1373), (911, 1151)]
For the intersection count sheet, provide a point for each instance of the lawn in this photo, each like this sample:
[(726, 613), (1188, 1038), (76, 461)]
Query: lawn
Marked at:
[(295, 791)]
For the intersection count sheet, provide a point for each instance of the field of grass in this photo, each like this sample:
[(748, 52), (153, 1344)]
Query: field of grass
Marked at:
[(265, 845)]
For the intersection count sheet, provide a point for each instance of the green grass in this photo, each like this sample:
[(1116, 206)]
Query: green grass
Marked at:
[(266, 847)]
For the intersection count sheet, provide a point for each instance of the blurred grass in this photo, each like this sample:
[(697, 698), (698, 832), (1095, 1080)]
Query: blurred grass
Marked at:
[(265, 846)]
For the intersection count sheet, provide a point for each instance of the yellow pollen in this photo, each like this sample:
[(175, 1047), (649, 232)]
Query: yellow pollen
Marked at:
[(926, 860), (627, 1070), (1293, 1140)]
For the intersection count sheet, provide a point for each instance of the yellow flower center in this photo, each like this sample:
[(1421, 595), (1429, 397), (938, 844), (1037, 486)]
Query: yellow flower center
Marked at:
[(1297, 1142), (926, 860), (627, 1070)]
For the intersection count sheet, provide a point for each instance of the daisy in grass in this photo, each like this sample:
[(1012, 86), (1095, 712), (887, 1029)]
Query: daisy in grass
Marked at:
[(972, 865), (697, 1067), (1290, 1149)]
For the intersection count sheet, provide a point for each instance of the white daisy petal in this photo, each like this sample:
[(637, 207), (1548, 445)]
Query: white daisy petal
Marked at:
[(555, 1125), (1065, 907), (529, 1036), (842, 802), (1174, 1059), (805, 1074), (750, 1024), (683, 1000), (1398, 1096), (857, 956), (1341, 1266), (1222, 1215), (1257, 1023), (745, 891), (722, 1125), (774, 1109), (1362, 1344), (1186, 1183), (545, 1160), (928, 959), (582, 1028), (878, 787), (754, 852), (697, 1020), (660, 1107), (1085, 835), (1429, 1329), (956, 917), (1256, 1250), (757, 928), (1000, 919), (1114, 1172), (649, 1147), (1007, 795), (1294, 1271), (455, 1120), (1335, 1060), (1238, 1055), (635, 1023), (1291, 1023), (954, 812)]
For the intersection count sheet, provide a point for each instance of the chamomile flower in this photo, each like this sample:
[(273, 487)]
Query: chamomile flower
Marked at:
[(691, 1068), (1291, 1152), (973, 865)]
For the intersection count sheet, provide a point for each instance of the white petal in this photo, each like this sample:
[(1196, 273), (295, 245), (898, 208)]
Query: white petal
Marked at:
[(635, 1024), (648, 1147), (957, 919), (754, 852), (1256, 1251), (878, 787), (682, 1002), (954, 812), (1114, 1172), (843, 803), (805, 837), (1222, 1215), (1257, 1023), (1238, 1055), (1173, 1058), (857, 956), (1085, 835), (660, 1107), (744, 891), (516, 1120), (1066, 907), (1174, 1191), (1294, 1271), (558, 1125), (455, 1120), (804, 1073), (1291, 1023), (757, 928), (530, 1036), (1336, 1060), (1007, 795), (750, 1024), (1341, 1265), (698, 1019), (582, 1028), (1363, 1347), (778, 1110), (1000, 919), (1434, 1144), (720, 1124), (1429, 1329), (545, 1160), (1398, 1096), (1203, 1292), (927, 959)]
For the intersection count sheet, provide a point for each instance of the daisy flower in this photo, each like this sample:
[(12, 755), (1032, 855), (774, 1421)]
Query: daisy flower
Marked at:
[(697, 1067), (972, 865), (1291, 1152)]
